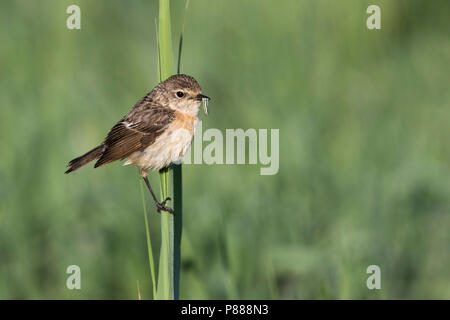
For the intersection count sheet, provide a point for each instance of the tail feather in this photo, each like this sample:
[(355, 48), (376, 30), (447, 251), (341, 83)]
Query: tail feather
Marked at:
[(86, 158)]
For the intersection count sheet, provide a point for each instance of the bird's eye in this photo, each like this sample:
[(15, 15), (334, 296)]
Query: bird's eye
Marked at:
[(180, 94)]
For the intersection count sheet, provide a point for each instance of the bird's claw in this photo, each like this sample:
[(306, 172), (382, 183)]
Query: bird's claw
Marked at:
[(162, 206)]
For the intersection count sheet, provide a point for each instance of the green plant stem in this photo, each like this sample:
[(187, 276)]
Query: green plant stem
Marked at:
[(165, 271), (168, 275), (149, 243), (177, 191), (177, 228)]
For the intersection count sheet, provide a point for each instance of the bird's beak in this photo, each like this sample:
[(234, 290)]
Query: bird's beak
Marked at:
[(205, 100)]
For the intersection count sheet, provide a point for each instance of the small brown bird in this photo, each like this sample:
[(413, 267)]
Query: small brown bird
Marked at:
[(156, 132)]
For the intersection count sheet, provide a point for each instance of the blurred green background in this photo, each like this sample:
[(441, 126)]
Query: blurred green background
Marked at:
[(364, 153)]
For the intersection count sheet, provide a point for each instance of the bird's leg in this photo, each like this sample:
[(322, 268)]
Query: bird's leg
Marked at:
[(159, 205)]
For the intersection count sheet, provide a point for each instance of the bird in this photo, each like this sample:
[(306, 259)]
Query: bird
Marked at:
[(155, 133)]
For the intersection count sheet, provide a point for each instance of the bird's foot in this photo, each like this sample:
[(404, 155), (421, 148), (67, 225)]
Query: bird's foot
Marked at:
[(161, 206)]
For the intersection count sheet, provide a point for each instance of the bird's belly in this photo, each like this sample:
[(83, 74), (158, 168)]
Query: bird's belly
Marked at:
[(168, 148)]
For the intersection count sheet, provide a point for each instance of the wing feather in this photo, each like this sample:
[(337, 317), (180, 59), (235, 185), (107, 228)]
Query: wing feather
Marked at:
[(136, 131)]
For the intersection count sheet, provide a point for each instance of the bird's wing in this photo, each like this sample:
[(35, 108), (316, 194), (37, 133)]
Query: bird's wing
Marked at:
[(135, 132)]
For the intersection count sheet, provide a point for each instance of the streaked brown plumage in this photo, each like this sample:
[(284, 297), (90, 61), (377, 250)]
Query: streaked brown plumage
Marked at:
[(155, 133)]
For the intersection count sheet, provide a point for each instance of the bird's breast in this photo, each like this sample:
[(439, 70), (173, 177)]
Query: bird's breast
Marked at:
[(170, 146)]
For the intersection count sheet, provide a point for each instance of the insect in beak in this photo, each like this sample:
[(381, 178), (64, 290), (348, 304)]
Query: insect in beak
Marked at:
[(205, 100)]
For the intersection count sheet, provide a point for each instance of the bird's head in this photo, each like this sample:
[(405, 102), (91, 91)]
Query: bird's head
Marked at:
[(183, 93)]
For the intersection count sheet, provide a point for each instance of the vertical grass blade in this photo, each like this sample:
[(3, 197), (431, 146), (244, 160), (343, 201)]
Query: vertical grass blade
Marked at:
[(177, 228), (165, 271), (149, 243), (164, 40), (166, 275), (177, 192), (180, 43)]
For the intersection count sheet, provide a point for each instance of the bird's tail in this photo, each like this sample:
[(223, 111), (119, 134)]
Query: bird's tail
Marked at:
[(85, 158)]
